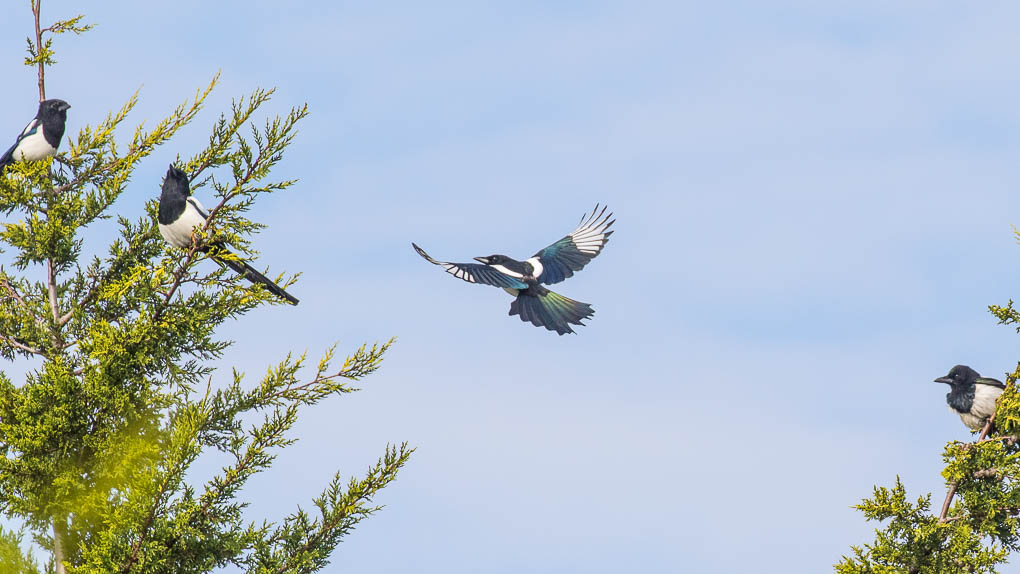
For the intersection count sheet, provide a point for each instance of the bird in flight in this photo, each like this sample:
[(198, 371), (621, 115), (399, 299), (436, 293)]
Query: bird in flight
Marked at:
[(180, 214), (41, 136), (971, 396), (526, 280)]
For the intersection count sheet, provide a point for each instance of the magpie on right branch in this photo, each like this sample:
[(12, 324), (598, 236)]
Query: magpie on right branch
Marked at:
[(971, 396)]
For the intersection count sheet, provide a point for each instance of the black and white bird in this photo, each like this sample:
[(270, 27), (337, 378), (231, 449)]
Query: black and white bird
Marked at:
[(180, 214), (971, 396), (41, 136), (525, 280)]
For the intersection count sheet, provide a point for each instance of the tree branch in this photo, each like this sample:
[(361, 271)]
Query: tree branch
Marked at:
[(12, 291), (51, 287), (59, 533), (36, 10), (19, 345)]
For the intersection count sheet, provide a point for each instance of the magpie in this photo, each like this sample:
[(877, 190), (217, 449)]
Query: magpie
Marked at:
[(971, 396), (41, 136), (525, 279), (180, 214)]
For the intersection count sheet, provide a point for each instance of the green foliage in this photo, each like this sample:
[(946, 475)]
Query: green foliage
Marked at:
[(915, 541), (978, 532), (98, 439), (12, 558)]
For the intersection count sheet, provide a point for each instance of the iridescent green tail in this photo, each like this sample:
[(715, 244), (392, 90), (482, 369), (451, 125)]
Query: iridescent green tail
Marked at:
[(544, 308)]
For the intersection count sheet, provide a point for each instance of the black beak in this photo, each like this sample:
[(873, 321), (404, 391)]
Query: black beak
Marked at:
[(65, 106), (945, 380), (484, 260)]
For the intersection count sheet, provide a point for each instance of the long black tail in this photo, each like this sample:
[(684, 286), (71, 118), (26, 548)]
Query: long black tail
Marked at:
[(224, 256), (544, 308)]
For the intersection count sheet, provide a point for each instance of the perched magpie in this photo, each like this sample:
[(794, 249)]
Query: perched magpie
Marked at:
[(971, 396), (41, 136), (180, 214), (524, 279)]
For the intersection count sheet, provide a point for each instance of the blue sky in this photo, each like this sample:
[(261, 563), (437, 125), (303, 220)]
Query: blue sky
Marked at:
[(814, 210)]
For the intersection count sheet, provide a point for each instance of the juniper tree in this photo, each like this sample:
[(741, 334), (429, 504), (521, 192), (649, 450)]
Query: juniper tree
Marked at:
[(119, 399), (978, 525)]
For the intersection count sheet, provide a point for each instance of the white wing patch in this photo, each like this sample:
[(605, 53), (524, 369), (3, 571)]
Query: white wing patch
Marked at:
[(458, 272), (506, 271), (30, 126), (536, 267), (589, 238)]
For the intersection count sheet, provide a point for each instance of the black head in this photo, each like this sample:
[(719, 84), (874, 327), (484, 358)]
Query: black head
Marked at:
[(53, 109), (176, 182), (960, 375), (492, 259)]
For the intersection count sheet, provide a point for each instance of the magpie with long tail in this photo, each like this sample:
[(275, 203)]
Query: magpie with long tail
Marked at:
[(971, 396), (41, 136), (526, 280), (180, 215)]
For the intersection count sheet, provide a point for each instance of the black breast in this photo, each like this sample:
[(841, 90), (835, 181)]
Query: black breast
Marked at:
[(171, 206), (53, 128), (961, 398)]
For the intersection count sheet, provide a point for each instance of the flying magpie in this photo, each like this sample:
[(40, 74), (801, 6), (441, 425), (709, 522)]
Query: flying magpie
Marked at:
[(41, 136), (524, 279), (180, 214), (971, 396)]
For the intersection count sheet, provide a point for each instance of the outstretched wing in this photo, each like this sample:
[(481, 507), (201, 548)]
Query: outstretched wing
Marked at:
[(31, 128), (561, 259), (475, 272)]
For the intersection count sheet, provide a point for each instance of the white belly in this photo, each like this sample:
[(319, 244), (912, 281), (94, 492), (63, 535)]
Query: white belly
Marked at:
[(180, 232), (983, 407), (34, 148)]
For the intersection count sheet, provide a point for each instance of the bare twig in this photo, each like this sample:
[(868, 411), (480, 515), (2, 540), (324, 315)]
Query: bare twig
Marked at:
[(36, 10)]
